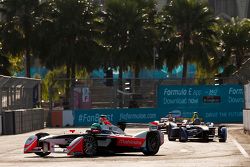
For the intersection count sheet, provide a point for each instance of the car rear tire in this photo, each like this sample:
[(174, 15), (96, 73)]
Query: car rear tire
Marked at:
[(205, 136), (183, 135), (170, 138), (42, 154), (40, 144), (152, 144), (167, 128), (89, 146), (222, 134)]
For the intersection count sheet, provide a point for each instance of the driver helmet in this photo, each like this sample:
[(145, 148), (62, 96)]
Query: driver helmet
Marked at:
[(170, 116), (195, 115), (95, 126)]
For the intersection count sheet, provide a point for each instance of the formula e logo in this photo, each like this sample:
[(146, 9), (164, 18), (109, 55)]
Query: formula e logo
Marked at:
[(137, 142)]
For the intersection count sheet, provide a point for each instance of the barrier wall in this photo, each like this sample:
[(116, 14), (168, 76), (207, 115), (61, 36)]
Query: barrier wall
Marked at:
[(87, 117), (246, 120), (57, 118), (223, 103), (246, 111), (1, 127), (68, 118), (8, 123), (21, 121), (218, 104)]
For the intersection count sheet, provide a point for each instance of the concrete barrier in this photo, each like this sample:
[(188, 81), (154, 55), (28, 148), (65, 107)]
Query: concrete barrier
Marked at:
[(17, 122), (26, 121), (68, 118), (22, 120), (57, 118), (1, 127), (8, 123), (246, 120)]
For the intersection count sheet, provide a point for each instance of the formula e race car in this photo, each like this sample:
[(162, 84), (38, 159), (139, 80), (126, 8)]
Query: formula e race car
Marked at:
[(101, 138), (164, 122), (196, 130)]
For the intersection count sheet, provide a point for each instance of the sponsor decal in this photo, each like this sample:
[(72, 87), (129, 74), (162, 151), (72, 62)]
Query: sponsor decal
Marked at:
[(132, 142), (93, 118)]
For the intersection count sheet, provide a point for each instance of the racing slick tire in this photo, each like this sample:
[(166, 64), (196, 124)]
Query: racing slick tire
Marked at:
[(40, 135), (222, 133), (42, 154), (89, 146), (170, 138), (183, 135), (152, 144), (205, 136)]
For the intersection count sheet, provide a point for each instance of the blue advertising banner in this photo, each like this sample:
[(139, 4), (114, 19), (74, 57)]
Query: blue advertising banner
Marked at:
[(218, 104), (87, 117), (223, 103)]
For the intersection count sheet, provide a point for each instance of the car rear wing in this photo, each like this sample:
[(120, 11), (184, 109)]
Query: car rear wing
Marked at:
[(152, 125)]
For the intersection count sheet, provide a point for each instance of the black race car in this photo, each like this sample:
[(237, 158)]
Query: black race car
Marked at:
[(196, 130)]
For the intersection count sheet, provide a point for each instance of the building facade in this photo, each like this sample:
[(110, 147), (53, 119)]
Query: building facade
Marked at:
[(231, 8), (223, 8)]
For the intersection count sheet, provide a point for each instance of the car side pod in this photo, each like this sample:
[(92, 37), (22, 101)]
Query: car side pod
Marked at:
[(30, 144), (76, 147)]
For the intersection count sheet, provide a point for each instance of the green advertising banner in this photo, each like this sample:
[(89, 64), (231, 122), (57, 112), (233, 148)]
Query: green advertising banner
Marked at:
[(223, 103), (218, 104)]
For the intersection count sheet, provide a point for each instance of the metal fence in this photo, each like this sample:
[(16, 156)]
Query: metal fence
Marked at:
[(19, 93), (19, 106), (110, 93)]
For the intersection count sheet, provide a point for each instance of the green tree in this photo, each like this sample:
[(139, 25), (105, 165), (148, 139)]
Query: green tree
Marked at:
[(130, 35), (188, 35), (235, 43), (68, 35), (143, 38), (19, 19)]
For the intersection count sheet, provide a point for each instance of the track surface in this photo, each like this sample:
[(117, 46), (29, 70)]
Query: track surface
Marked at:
[(235, 152)]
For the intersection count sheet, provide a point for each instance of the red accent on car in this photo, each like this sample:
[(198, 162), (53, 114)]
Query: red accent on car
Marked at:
[(154, 123), (29, 147), (129, 141), (72, 131), (75, 147), (95, 131), (105, 121)]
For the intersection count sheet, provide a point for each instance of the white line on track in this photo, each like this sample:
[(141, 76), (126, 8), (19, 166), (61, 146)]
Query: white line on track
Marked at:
[(242, 150)]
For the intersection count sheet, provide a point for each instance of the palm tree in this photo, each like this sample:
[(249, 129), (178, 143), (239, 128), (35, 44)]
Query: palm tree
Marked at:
[(189, 34), (129, 34), (144, 38), (68, 36), (19, 18), (235, 43)]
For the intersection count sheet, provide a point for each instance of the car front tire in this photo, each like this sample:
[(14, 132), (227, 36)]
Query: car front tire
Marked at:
[(152, 144)]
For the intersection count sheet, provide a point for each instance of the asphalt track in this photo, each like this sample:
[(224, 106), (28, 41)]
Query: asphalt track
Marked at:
[(235, 152)]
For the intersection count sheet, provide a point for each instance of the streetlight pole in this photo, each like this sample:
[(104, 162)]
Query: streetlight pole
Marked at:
[(155, 55)]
